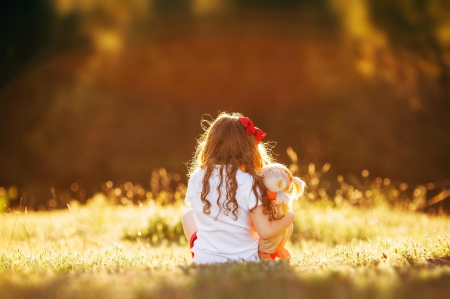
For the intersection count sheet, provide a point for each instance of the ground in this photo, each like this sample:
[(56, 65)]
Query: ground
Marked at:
[(100, 250)]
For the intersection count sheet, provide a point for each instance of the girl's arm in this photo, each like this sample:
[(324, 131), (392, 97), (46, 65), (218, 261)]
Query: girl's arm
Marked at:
[(267, 229)]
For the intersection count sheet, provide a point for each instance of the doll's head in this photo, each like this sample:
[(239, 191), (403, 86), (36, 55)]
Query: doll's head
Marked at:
[(278, 179)]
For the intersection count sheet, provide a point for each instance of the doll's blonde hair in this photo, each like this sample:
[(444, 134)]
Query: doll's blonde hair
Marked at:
[(277, 178)]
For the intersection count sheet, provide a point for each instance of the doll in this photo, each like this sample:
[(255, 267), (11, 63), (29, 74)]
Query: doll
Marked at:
[(282, 189)]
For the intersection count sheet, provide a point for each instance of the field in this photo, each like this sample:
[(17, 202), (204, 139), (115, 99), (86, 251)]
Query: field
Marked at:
[(103, 250)]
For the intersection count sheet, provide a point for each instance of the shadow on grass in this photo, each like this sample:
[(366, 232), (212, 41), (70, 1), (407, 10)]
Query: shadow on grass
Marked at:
[(259, 280), (438, 262)]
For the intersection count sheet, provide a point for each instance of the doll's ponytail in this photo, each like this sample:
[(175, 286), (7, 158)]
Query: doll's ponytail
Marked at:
[(298, 187)]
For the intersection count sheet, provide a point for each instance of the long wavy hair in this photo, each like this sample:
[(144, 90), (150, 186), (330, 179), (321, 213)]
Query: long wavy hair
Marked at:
[(225, 144)]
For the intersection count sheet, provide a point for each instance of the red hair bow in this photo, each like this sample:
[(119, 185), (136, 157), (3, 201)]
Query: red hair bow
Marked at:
[(251, 129)]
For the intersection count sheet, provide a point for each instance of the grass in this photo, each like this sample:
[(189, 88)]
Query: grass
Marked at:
[(101, 250)]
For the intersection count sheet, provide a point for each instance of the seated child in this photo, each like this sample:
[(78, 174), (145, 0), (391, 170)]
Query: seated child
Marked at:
[(282, 188)]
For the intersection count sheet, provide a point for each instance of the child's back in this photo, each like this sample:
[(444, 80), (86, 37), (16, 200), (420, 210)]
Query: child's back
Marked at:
[(220, 237)]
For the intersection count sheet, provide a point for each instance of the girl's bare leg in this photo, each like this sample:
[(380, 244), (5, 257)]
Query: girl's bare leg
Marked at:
[(189, 226)]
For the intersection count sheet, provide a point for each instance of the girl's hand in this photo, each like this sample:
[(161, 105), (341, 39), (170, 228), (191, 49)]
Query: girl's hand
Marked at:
[(267, 229)]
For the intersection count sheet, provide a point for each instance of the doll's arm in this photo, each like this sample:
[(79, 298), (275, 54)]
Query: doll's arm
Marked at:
[(267, 229)]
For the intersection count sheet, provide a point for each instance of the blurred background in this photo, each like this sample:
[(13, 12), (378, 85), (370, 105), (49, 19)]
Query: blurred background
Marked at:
[(109, 90)]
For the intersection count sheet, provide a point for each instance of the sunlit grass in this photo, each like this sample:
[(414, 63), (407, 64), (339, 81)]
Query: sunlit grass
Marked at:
[(110, 251)]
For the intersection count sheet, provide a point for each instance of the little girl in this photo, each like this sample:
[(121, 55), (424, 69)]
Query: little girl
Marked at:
[(230, 208), (282, 188)]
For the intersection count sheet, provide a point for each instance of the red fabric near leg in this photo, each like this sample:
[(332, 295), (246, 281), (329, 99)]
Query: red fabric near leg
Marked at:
[(192, 240)]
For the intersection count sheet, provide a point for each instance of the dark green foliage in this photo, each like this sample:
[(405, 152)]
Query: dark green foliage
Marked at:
[(160, 230)]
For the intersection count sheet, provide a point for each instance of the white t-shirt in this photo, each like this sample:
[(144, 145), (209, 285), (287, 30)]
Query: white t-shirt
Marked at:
[(224, 239)]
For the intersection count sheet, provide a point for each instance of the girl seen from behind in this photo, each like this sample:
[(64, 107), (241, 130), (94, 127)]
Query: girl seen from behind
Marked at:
[(230, 207)]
